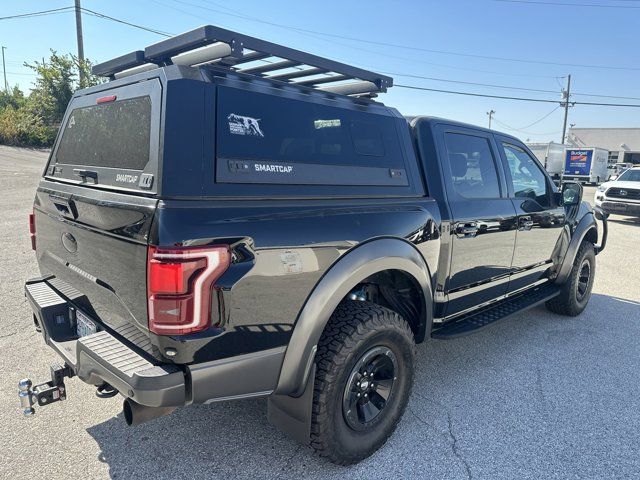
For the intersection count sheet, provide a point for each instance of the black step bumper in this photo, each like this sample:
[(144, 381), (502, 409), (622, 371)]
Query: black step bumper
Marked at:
[(101, 357)]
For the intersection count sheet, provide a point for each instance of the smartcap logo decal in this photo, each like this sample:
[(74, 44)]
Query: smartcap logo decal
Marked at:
[(265, 167)]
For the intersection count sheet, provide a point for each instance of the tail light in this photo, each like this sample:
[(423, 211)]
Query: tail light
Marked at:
[(32, 229), (179, 286)]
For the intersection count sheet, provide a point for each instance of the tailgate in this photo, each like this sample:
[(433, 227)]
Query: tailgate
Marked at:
[(96, 243), (93, 211)]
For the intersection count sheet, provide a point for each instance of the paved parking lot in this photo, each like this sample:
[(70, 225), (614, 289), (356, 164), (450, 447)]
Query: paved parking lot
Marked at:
[(536, 396)]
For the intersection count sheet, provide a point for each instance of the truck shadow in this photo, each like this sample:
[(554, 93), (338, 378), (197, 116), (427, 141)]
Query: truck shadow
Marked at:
[(234, 440), (624, 220)]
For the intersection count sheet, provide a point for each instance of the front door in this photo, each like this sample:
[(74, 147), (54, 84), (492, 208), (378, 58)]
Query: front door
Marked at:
[(540, 218), (483, 218)]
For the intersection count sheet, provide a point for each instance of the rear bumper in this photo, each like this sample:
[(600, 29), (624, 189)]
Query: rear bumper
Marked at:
[(104, 357), (101, 357)]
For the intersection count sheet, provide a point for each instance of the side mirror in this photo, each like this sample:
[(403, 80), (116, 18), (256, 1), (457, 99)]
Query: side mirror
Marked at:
[(571, 193)]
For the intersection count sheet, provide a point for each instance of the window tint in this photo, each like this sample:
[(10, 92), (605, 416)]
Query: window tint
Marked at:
[(528, 179), (257, 126), (473, 169), (115, 134), (367, 139)]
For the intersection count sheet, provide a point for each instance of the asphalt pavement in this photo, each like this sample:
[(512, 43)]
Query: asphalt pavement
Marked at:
[(535, 396)]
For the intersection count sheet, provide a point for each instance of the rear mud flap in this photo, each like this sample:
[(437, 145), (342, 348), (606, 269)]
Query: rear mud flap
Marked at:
[(292, 415)]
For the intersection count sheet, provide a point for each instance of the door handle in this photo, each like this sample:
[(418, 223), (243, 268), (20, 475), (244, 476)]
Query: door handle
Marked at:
[(466, 230), (526, 223)]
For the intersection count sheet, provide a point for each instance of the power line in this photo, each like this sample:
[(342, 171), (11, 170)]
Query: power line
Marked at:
[(523, 99), (565, 4), (324, 39), (508, 127), (605, 96), (407, 75), (540, 119), (472, 94), (167, 34), (37, 14), (509, 87), (124, 22), (407, 47)]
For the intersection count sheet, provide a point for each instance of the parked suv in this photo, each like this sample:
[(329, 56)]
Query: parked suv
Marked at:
[(622, 195), (259, 226)]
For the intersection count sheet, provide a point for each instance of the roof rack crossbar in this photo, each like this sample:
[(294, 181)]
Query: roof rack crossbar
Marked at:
[(269, 67), (327, 79), (246, 58), (227, 49), (298, 74)]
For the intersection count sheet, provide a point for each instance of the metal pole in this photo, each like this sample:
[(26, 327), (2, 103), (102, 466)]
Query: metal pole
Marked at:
[(4, 71), (566, 94), (490, 113), (80, 40)]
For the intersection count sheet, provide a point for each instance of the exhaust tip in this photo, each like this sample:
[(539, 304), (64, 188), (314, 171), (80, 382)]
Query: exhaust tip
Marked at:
[(135, 414), (126, 411)]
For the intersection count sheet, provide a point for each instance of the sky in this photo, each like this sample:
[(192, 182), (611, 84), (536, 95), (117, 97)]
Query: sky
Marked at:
[(520, 44)]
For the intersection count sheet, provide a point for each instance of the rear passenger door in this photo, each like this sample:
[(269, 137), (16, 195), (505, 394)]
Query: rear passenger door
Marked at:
[(540, 219), (483, 218)]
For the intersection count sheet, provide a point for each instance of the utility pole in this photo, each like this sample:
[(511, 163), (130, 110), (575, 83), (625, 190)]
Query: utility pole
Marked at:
[(566, 95), (4, 71), (80, 41), (490, 113)]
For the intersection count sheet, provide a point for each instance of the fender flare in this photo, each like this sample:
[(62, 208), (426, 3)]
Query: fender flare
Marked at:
[(366, 259), (587, 223)]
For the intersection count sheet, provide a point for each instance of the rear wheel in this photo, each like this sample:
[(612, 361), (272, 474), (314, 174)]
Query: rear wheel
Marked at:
[(363, 379), (576, 291)]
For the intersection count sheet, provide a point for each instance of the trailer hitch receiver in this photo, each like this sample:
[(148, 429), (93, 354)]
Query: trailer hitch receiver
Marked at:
[(44, 393)]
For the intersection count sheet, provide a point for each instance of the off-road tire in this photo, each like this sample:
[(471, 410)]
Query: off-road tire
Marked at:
[(569, 302), (356, 328)]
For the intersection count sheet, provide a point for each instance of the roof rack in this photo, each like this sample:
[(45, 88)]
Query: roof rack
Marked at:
[(228, 50)]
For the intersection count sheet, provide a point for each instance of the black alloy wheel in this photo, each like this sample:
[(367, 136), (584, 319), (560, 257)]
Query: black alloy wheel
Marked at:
[(369, 387)]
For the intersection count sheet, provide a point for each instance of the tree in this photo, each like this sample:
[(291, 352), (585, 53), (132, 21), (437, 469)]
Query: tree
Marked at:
[(34, 120), (13, 98), (56, 81)]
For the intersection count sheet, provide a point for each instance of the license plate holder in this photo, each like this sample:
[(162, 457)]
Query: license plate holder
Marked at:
[(84, 325)]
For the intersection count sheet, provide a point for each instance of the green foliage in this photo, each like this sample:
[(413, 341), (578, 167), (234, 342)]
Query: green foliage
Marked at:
[(20, 127), (34, 120), (13, 98)]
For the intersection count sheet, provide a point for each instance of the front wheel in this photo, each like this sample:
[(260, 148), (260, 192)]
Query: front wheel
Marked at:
[(576, 291), (365, 366)]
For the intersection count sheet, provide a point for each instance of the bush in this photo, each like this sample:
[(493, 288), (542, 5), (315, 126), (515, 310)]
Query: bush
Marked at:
[(20, 127)]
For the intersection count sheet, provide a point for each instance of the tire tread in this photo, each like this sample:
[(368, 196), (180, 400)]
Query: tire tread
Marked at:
[(348, 326)]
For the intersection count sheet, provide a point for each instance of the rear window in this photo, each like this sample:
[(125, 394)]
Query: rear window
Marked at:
[(115, 134), (264, 138)]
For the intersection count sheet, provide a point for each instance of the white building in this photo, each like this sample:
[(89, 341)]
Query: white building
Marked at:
[(623, 144)]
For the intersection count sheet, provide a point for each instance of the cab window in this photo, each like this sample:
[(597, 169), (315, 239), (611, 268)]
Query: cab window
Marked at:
[(528, 179), (473, 169)]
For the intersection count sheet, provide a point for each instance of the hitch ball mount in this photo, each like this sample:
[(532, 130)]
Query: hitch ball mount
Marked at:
[(44, 393)]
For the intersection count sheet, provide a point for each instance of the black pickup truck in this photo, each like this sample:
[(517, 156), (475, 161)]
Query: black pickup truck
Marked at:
[(257, 225)]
